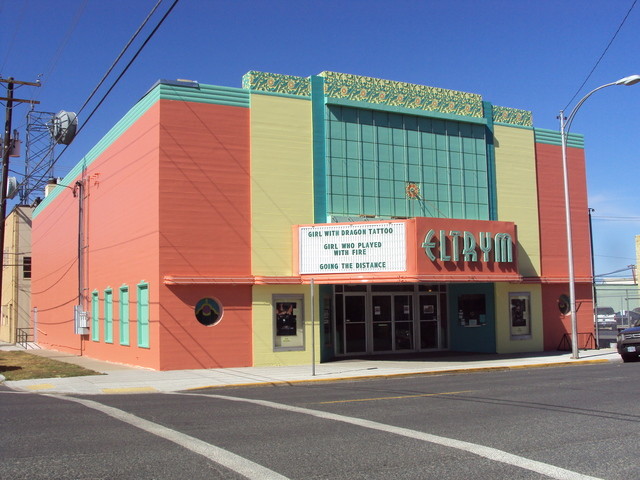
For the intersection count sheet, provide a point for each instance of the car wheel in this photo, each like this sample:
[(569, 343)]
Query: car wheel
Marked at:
[(629, 358)]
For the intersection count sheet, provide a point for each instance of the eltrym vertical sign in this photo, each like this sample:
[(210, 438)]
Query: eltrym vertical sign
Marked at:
[(353, 248)]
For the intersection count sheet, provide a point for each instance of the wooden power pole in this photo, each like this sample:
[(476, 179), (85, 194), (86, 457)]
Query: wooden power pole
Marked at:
[(7, 146)]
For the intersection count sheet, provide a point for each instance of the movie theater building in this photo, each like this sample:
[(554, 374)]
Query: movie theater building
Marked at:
[(335, 215)]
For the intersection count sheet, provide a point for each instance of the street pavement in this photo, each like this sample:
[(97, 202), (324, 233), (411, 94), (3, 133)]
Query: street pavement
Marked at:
[(112, 378)]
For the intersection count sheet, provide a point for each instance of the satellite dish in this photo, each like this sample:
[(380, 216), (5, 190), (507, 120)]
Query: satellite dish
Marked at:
[(63, 127)]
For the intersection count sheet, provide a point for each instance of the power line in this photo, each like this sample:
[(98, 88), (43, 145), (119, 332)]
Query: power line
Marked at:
[(122, 52), (115, 82), (17, 26), (601, 56), (605, 217), (65, 40)]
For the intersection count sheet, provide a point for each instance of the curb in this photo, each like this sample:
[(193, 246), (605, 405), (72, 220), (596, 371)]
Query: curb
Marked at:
[(454, 371)]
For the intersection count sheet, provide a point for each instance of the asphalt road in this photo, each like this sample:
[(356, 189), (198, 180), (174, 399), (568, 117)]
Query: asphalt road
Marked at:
[(562, 422)]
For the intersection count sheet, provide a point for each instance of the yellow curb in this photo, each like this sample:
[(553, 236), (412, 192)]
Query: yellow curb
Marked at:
[(40, 386), (406, 374), (129, 390)]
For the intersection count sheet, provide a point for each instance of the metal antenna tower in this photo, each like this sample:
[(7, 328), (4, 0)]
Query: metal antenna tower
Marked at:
[(38, 162)]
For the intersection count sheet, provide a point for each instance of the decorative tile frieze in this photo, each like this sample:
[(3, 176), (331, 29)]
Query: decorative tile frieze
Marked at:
[(400, 94), (512, 116), (386, 92), (276, 83)]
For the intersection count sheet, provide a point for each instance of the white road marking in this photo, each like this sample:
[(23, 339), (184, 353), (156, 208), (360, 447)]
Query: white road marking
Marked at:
[(221, 456), (480, 450)]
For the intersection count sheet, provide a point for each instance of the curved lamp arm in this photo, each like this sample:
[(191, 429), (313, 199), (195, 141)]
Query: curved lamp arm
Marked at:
[(630, 80), (564, 129)]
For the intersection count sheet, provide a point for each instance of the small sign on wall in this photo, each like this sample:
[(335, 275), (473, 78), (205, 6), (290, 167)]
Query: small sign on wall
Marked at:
[(520, 315), (288, 322)]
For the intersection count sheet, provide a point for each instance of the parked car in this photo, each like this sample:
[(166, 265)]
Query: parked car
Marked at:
[(629, 343), (605, 317), (626, 317)]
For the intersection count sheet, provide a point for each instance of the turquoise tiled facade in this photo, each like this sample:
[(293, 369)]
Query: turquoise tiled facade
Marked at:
[(386, 164), (396, 149)]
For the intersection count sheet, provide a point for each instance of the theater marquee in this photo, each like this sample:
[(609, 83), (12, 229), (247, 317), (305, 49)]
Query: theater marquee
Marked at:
[(416, 249), (353, 248)]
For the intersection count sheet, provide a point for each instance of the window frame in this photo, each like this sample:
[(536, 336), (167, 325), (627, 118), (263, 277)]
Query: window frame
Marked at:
[(95, 316), (108, 315), (143, 321), (123, 317)]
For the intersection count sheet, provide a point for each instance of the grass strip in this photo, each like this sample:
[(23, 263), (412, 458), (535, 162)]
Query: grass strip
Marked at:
[(18, 365)]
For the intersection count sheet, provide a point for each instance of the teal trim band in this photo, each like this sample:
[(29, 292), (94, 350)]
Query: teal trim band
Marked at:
[(210, 94), (319, 150), (112, 135), (405, 110), (552, 137), (512, 125), (276, 94), (491, 162), (236, 97)]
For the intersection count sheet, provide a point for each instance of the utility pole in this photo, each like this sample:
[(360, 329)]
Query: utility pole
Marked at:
[(7, 146)]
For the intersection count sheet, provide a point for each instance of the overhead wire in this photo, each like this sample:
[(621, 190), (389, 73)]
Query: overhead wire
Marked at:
[(114, 83), (65, 41), (17, 24), (602, 55), (604, 217), (122, 52)]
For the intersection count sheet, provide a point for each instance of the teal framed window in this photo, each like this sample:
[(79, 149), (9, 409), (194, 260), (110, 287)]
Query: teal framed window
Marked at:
[(108, 315), (95, 316), (124, 315), (143, 315)]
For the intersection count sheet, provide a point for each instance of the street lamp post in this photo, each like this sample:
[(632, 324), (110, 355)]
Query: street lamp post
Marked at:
[(565, 125)]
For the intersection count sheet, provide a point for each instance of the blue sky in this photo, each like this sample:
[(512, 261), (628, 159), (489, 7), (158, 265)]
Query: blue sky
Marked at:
[(520, 54)]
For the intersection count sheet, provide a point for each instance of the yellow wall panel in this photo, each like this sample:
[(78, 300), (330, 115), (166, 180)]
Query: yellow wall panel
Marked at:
[(504, 342), (281, 178), (518, 192), (264, 331)]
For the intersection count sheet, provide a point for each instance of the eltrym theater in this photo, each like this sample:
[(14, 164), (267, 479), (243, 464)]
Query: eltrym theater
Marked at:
[(222, 227)]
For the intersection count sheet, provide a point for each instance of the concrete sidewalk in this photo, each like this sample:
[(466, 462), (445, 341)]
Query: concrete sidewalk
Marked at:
[(117, 378)]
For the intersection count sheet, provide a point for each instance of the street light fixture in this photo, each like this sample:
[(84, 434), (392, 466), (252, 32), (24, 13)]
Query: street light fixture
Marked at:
[(565, 125)]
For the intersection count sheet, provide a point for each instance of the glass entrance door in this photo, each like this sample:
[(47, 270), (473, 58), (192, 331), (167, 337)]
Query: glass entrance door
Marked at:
[(382, 323), (403, 322), (389, 318), (355, 325), (429, 321)]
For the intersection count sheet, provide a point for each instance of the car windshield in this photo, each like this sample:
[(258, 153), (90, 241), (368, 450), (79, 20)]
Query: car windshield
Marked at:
[(637, 323), (605, 311)]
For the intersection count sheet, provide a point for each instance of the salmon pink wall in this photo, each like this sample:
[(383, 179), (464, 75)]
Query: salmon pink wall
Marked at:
[(553, 242), (205, 230), (54, 278), (186, 343), (556, 324), (553, 237), (121, 219)]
